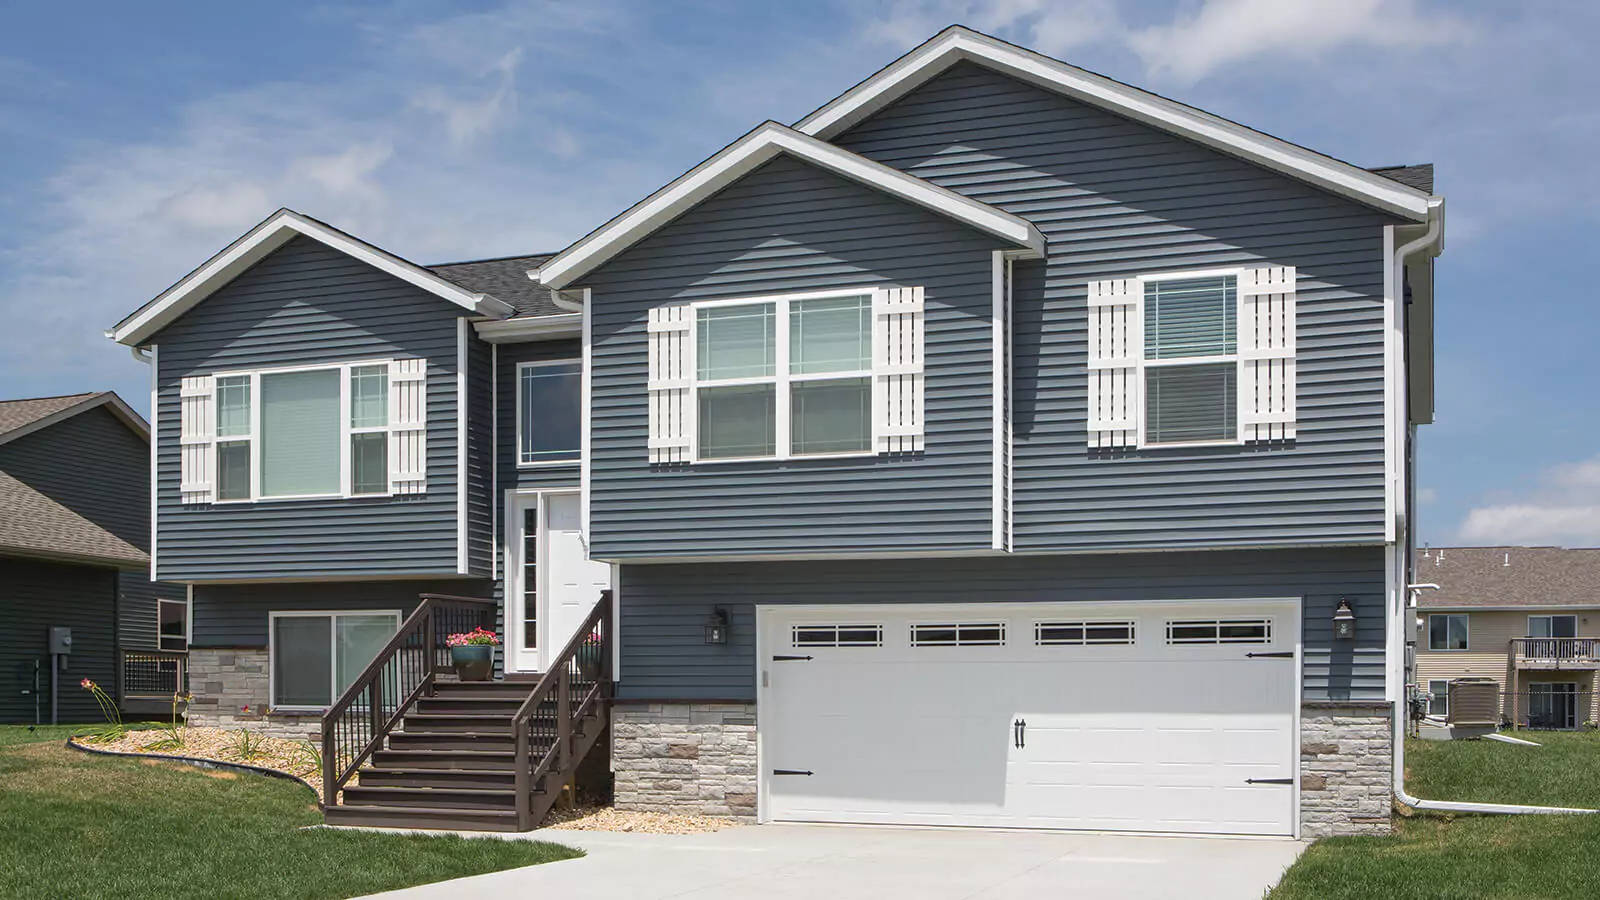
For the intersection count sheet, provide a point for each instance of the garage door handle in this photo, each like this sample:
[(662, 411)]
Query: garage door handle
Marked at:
[(1019, 734), (1282, 654), (792, 772), (1269, 781), (789, 658)]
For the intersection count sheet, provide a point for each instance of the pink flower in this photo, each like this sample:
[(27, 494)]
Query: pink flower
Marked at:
[(245, 709), (86, 684)]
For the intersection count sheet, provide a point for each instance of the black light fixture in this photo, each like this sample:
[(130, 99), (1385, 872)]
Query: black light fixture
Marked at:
[(717, 626), (1344, 621)]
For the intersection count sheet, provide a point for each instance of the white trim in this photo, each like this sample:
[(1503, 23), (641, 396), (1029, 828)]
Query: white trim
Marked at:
[(188, 611), (188, 596), (517, 415), (494, 460), (517, 502), (155, 455), (957, 44), (997, 471), (463, 566), (277, 230), (743, 156), (1392, 291), (333, 649), (529, 328), (1562, 610), (1011, 404), (585, 436)]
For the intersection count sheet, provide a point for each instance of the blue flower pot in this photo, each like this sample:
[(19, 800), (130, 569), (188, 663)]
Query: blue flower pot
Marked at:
[(474, 662)]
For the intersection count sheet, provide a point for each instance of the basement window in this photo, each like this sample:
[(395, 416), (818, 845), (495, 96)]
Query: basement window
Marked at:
[(316, 655)]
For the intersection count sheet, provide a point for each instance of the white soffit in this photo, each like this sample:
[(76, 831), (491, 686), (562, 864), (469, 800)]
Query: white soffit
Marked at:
[(957, 44), (745, 155), (277, 230)]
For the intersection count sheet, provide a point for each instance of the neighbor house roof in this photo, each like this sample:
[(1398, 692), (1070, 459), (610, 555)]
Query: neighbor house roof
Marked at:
[(743, 156), (1515, 577), (275, 231), (957, 44), (21, 417)]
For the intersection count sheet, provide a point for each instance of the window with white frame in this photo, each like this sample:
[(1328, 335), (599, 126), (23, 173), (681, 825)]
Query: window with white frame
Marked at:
[(172, 624), (1439, 697), (1447, 631), (784, 377), (549, 411), (316, 655), (338, 430), (1191, 393)]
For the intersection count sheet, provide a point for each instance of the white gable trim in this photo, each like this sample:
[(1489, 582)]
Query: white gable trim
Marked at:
[(957, 44), (745, 155), (261, 240)]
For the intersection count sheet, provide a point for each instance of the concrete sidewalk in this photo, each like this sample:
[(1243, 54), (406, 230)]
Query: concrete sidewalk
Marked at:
[(775, 862)]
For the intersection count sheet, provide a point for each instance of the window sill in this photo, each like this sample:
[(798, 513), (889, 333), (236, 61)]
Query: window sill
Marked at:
[(1187, 445), (798, 457), (298, 497), (550, 463)]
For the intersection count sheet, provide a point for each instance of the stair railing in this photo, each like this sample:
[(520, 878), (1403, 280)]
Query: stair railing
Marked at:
[(358, 722), (576, 684)]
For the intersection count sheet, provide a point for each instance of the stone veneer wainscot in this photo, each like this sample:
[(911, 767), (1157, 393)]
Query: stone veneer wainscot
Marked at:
[(225, 681), (685, 758), (1346, 769)]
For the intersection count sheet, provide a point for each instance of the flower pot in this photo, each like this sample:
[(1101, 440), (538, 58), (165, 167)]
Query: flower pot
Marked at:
[(589, 662), (473, 662)]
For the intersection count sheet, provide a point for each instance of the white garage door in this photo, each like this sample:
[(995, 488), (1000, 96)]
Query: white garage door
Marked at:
[(1133, 717)]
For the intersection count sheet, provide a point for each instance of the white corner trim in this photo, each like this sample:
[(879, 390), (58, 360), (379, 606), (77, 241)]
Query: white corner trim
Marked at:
[(530, 328), (997, 473), (463, 566), (155, 453), (585, 437), (957, 44), (743, 156), (266, 237), (494, 462)]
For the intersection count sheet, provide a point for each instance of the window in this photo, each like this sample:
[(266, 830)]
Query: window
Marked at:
[(838, 635), (1190, 360), (1553, 705), (549, 411), (959, 635), (1447, 632), (316, 655), (1439, 698), (1219, 631), (173, 623), (1552, 626), (785, 377), (314, 432), (530, 578), (1046, 634)]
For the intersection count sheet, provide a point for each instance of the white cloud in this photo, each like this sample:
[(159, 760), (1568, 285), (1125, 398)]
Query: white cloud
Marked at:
[(1427, 496), (469, 120), (1563, 509), (1049, 26)]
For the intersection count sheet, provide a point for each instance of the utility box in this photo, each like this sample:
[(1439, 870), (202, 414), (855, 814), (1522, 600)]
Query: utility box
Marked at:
[(60, 640), (1475, 702)]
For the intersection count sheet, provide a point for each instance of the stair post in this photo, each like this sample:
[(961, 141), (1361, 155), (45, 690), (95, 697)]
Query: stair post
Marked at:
[(523, 792), (563, 718)]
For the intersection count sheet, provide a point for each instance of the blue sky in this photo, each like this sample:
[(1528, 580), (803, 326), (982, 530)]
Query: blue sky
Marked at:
[(136, 140)]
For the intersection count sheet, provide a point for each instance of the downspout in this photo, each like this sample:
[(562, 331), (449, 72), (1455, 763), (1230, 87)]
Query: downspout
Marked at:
[(140, 354), (1429, 238)]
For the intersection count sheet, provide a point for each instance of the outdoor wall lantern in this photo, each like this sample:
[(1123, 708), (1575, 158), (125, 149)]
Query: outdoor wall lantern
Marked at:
[(1344, 621), (717, 626)]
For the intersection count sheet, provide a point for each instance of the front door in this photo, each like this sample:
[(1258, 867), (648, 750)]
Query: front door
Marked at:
[(551, 583)]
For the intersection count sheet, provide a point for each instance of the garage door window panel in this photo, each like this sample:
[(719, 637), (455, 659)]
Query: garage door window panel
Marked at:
[(1055, 634), (812, 636), (986, 634), (1219, 631)]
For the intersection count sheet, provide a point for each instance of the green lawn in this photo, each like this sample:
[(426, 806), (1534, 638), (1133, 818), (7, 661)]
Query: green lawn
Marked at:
[(1491, 857), (75, 825)]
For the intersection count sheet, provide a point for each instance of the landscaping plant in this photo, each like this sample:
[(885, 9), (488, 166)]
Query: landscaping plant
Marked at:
[(176, 734), (113, 727)]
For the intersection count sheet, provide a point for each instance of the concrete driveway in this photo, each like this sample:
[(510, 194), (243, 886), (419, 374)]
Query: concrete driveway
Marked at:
[(773, 862)]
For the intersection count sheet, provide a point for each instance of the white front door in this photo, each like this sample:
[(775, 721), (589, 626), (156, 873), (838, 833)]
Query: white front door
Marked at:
[(1136, 717), (551, 584)]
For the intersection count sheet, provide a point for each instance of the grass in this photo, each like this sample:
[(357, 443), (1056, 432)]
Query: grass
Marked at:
[(76, 825), (1564, 771), (1490, 857)]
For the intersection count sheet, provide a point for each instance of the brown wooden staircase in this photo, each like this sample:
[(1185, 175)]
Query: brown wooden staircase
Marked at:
[(404, 748)]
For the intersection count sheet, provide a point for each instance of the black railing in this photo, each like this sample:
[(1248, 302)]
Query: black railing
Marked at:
[(148, 675), (357, 723)]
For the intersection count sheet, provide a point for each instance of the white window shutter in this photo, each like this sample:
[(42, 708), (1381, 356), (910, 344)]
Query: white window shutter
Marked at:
[(408, 426), (1116, 344), (671, 374), (1266, 353), (897, 376), (197, 433)]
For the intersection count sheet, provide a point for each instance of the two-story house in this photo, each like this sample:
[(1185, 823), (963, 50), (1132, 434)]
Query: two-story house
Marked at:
[(999, 445)]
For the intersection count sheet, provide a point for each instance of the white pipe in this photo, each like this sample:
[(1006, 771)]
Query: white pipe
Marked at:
[(140, 355), (1435, 230)]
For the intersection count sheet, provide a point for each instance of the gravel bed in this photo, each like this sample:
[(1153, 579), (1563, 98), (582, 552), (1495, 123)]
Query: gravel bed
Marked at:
[(297, 758), (605, 818)]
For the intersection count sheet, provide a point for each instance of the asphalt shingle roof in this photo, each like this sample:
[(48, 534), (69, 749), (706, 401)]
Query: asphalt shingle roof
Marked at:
[(16, 414), (1419, 176), (32, 524), (1509, 576), (505, 279)]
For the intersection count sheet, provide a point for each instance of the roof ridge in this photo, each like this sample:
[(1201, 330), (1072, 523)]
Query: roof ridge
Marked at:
[(53, 397), (465, 262)]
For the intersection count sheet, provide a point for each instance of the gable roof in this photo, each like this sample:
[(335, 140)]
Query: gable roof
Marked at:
[(744, 155), (957, 44), (272, 233), (1509, 577), (506, 278), (35, 526), (24, 417), (1418, 176)]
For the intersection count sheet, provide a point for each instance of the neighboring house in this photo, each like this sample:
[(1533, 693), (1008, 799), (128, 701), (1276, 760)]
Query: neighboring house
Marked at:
[(1002, 444), (1528, 617), (74, 530)]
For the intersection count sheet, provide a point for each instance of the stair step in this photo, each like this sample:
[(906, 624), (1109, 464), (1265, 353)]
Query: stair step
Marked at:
[(463, 799), (466, 740), (438, 778), (469, 705), (444, 723), (483, 688), (452, 760), (420, 817)]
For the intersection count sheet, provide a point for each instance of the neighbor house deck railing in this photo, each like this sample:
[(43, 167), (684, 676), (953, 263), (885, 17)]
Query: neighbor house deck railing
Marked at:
[(357, 723), (148, 675), (1557, 649)]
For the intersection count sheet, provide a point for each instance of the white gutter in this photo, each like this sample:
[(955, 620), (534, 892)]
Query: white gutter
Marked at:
[(1429, 237)]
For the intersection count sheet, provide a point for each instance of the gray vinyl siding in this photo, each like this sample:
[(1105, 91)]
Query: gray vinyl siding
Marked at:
[(92, 464), (664, 607), (789, 227), (138, 612), (1115, 198), (235, 615), (39, 595), (306, 304)]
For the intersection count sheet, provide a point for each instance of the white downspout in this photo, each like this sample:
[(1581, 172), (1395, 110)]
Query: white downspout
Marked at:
[(1435, 229)]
